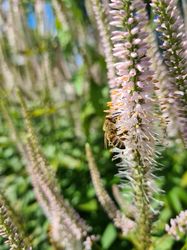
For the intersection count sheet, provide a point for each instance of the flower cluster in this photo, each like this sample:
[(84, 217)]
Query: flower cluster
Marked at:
[(67, 228), (178, 226), (10, 229), (169, 104), (132, 101), (105, 40), (171, 30), (132, 105)]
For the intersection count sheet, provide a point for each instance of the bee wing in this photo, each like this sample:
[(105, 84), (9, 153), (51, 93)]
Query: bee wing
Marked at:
[(105, 141), (105, 125)]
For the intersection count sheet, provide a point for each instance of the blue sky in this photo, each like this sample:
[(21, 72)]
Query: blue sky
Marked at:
[(48, 17)]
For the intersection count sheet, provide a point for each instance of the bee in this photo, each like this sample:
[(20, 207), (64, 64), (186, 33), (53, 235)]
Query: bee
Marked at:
[(110, 133), (54, 244)]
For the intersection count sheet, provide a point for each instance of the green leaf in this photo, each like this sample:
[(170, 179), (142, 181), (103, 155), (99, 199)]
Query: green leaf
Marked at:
[(43, 111), (96, 97), (108, 236), (174, 197), (184, 180), (184, 247), (79, 80), (164, 243), (89, 206)]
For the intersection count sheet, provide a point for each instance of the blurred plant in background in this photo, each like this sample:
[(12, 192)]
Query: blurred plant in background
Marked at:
[(63, 65)]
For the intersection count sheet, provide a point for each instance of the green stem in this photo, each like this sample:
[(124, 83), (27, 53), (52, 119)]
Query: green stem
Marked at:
[(142, 203)]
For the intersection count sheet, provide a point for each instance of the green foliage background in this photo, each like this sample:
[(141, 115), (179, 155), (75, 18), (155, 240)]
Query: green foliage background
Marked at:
[(63, 140)]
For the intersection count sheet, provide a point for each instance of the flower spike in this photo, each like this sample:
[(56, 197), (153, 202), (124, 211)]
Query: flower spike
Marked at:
[(170, 26), (132, 108)]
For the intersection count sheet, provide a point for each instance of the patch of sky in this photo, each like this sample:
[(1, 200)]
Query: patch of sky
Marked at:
[(78, 60), (49, 18), (5, 5), (31, 20)]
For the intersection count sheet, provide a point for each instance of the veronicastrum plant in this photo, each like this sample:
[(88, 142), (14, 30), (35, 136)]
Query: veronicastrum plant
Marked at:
[(145, 51), (144, 70)]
